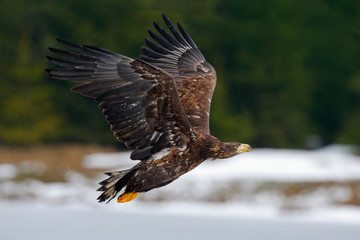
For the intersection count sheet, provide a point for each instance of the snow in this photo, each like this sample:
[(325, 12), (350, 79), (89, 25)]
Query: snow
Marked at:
[(107, 160), (191, 207), (7, 171), (25, 222), (334, 163)]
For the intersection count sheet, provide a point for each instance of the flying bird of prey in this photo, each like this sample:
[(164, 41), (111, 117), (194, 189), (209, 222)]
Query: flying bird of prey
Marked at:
[(158, 105)]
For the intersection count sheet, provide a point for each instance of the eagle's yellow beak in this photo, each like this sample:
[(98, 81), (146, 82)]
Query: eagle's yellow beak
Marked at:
[(244, 148)]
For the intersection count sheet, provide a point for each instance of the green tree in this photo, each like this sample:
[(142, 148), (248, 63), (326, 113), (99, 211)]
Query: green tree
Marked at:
[(286, 69)]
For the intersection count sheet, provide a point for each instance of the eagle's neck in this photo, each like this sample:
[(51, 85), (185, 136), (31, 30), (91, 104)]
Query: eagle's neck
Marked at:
[(212, 148), (226, 150)]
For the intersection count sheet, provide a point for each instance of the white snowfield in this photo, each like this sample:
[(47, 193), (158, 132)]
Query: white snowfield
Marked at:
[(191, 207), (333, 163)]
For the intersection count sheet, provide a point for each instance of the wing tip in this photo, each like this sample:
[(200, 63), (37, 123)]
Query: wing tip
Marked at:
[(164, 17), (63, 42), (156, 25), (51, 49)]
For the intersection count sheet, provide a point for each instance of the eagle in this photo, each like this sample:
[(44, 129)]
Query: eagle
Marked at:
[(157, 104)]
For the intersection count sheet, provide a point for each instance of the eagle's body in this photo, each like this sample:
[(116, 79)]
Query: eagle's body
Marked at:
[(169, 164), (158, 105)]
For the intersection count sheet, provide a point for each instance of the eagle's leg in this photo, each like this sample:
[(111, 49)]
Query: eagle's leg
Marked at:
[(127, 197)]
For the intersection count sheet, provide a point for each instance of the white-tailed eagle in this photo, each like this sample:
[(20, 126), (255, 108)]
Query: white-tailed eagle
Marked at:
[(158, 104)]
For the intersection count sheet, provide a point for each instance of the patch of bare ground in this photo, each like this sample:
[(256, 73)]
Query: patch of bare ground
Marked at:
[(292, 193), (352, 189), (50, 163), (287, 195)]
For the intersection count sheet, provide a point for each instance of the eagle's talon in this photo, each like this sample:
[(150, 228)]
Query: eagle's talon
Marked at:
[(127, 197)]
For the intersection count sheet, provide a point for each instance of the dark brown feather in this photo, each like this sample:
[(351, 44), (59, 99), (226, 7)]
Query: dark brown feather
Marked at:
[(139, 101), (195, 78)]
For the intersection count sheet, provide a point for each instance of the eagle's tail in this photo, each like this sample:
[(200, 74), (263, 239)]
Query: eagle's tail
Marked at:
[(116, 181)]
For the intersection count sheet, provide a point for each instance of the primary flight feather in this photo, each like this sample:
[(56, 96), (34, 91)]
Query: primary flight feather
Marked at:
[(158, 105)]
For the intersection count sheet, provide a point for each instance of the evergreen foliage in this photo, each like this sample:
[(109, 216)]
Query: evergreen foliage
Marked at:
[(287, 70)]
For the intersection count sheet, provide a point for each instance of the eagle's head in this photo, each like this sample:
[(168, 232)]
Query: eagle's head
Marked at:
[(231, 149)]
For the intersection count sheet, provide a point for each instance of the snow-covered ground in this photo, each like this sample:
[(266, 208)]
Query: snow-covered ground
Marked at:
[(19, 221), (335, 162), (237, 198)]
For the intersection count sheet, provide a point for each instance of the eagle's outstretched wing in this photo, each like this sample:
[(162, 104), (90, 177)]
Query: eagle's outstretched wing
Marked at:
[(195, 78), (139, 101)]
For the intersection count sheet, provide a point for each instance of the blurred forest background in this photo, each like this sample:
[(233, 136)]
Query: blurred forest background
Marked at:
[(288, 71)]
